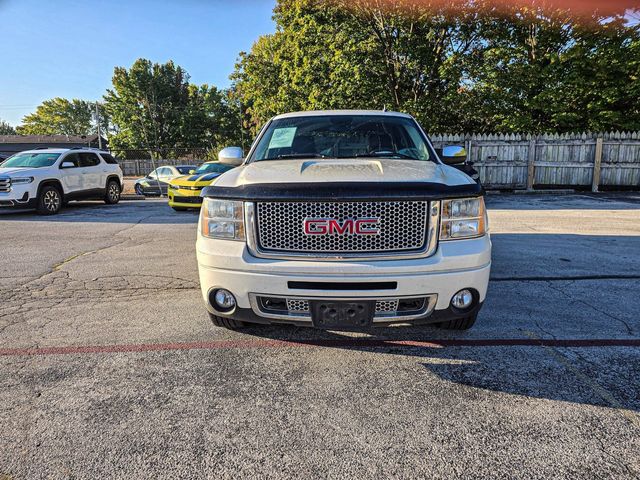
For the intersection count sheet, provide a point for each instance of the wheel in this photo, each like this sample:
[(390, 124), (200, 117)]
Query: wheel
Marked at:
[(49, 201), (139, 190), (228, 323), (464, 323), (180, 209), (113, 193)]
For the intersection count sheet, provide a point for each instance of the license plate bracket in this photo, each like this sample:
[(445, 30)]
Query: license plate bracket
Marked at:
[(342, 315)]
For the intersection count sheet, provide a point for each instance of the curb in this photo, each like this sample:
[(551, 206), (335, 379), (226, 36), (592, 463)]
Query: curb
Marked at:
[(132, 197)]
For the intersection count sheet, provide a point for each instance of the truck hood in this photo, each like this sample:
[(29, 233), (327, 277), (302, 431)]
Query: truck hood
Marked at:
[(18, 172), (342, 170)]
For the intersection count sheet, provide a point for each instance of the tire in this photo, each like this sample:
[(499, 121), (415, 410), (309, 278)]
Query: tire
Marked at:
[(49, 200), (139, 190), (180, 209), (228, 323), (464, 323), (112, 195)]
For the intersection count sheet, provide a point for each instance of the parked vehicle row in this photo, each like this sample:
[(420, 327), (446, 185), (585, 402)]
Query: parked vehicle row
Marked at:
[(182, 183), (338, 220), (46, 179)]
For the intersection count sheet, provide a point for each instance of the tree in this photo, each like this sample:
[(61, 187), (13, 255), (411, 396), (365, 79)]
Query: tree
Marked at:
[(147, 104), (60, 116), (6, 129), (472, 67), (154, 107)]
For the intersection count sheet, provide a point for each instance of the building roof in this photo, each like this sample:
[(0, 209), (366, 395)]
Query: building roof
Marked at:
[(48, 139)]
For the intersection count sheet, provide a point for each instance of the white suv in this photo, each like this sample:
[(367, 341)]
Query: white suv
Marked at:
[(45, 179)]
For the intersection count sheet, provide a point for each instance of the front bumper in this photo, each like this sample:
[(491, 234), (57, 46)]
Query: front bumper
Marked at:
[(184, 198), (18, 198), (455, 265)]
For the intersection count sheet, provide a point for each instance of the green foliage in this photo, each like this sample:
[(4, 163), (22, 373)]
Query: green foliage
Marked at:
[(470, 69), (6, 129), (60, 116), (154, 107)]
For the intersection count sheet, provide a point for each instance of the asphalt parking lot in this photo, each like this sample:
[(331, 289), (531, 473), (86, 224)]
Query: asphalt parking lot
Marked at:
[(109, 366)]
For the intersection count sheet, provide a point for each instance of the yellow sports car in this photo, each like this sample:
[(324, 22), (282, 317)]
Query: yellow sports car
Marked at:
[(184, 192)]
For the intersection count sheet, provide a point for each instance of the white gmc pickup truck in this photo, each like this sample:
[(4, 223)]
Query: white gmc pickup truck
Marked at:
[(343, 220)]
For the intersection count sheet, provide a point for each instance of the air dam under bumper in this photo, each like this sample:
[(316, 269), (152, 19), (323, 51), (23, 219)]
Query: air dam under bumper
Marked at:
[(456, 265)]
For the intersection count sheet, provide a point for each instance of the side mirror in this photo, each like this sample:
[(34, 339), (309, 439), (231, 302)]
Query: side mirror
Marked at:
[(67, 165), (454, 155), (231, 156)]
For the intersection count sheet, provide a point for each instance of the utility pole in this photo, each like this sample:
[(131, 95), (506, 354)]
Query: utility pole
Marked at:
[(98, 124)]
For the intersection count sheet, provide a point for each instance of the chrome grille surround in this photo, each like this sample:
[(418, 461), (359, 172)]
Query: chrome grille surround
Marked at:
[(298, 307), (408, 229), (5, 184)]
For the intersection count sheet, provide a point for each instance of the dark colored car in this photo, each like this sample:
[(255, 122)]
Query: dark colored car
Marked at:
[(157, 181)]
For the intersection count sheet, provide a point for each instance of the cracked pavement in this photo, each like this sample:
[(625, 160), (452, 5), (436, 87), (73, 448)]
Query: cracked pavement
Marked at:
[(565, 267)]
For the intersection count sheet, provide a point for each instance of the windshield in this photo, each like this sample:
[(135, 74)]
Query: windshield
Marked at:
[(30, 160), (185, 169), (213, 168), (342, 136)]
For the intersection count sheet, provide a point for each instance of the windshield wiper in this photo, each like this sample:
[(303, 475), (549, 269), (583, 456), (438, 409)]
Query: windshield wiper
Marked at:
[(302, 155), (385, 153), (297, 155)]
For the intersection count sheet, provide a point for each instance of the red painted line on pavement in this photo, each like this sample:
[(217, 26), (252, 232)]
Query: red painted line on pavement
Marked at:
[(343, 343)]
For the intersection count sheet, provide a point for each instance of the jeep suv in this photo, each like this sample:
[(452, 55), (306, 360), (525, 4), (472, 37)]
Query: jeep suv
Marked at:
[(343, 220), (45, 179)]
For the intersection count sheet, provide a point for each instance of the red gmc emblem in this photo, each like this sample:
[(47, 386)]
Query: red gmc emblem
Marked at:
[(350, 226)]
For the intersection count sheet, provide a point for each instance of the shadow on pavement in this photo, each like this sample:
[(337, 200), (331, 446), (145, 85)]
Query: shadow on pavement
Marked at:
[(571, 201), (576, 375), (155, 211)]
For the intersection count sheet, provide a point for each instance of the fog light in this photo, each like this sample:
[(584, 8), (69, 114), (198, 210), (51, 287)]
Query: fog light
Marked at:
[(224, 299), (463, 299)]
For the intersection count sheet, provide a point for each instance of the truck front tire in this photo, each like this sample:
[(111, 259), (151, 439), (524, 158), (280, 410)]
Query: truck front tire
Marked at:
[(228, 323)]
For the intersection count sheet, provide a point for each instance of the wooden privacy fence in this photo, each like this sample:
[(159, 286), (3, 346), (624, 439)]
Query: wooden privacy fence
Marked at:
[(515, 161)]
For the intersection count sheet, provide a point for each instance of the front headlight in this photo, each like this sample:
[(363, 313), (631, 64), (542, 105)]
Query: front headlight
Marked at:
[(222, 219), (463, 218), (174, 187), (21, 180)]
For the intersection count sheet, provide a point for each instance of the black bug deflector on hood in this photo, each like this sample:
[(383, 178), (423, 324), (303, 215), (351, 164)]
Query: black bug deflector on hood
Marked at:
[(344, 191)]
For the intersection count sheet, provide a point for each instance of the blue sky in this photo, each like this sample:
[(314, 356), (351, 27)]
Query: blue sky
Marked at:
[(68, 48)]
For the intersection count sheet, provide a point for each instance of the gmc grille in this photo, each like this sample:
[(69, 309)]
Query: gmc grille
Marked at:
[(402, 227)]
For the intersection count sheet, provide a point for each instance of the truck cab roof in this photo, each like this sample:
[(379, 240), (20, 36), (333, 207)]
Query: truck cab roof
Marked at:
[(317, 113)]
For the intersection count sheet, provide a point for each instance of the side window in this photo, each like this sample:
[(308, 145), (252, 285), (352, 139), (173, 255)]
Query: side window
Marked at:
[(89, 160), (108, 158), (71, 158), (164, 172)]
